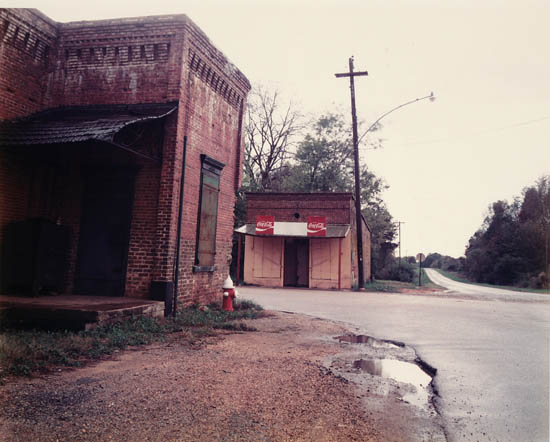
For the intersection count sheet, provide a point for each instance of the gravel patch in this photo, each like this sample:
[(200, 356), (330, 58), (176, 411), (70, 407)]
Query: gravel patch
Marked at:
[(271, 385)]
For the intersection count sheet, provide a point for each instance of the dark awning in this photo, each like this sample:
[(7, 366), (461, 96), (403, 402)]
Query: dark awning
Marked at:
[(286, 229), (78, 123)]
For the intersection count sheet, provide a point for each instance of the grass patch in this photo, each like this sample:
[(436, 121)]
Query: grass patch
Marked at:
[(385, 286), (461, 278), (390, 286), (24, 352)]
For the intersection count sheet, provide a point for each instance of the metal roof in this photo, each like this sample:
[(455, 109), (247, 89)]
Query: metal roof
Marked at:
[(78, 123), (285, 229)]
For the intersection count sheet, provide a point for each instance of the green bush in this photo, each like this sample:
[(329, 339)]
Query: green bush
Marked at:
[(395, 272)]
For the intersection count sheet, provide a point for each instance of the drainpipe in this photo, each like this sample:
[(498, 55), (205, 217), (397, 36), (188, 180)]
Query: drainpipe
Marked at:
[(180, 219)]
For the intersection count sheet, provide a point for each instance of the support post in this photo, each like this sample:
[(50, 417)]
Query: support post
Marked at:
[(339, 263), (238, 259), (359, 219)]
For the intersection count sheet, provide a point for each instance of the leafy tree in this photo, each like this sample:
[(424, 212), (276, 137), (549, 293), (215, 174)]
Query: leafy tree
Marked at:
[(324, 158), (324, 163), (534, 217), (444, 262), (511, 247), (383, 233), (432, 260)]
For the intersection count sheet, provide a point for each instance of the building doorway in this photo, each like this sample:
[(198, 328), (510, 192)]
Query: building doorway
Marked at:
[(296, 262), (104, 232)]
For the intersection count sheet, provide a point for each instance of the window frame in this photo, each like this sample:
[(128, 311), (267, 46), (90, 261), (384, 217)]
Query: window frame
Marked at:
[(213, 168)]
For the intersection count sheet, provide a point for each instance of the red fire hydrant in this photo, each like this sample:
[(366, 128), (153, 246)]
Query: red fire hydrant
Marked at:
[(229, 294)]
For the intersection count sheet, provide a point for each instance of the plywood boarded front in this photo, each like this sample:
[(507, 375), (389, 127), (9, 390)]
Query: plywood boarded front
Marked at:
[(325, 263), (263, 261)]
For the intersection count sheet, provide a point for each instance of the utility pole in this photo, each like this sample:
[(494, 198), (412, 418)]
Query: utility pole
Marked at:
[(399, 224), (359, 219)]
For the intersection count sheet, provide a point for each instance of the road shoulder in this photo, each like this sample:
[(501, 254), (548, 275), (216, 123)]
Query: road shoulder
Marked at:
[(290, 380)]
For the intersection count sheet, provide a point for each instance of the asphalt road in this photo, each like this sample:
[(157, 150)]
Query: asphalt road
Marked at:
[(491, 350), (481, 291)]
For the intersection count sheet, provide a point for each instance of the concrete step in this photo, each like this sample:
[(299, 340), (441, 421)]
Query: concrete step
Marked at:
[(74, 312)]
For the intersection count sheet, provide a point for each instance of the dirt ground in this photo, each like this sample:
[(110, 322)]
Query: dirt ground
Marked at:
[(288, 381)]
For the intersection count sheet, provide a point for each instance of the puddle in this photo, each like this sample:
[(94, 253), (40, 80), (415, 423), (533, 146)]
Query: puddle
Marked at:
[(400, 371), (364, 339)]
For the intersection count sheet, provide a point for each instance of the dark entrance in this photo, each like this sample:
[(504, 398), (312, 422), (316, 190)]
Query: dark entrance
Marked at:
[(104, 232), (296, 262)]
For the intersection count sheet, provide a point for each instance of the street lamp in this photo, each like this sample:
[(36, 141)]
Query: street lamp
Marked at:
[(430, 97), (351, 74)]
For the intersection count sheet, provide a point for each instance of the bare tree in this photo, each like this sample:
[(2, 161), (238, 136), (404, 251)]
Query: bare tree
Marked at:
[(269, 135)]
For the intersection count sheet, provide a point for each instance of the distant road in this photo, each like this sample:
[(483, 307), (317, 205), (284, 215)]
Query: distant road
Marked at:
[(484, 291)]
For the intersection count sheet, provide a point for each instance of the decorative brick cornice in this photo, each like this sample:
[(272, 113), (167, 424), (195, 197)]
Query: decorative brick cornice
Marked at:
[(207, 73), (21, 34)]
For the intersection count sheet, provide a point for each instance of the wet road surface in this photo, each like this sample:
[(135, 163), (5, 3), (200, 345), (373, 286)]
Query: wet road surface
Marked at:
[(491, 351)]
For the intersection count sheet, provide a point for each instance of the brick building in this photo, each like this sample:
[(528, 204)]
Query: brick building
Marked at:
[(303, 240), (102, 123)]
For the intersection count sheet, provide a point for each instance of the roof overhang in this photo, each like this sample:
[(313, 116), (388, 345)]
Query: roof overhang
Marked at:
[(76, 124), (291, 229)]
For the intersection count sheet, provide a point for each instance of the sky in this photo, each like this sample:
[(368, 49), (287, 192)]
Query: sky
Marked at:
[(485, 137)]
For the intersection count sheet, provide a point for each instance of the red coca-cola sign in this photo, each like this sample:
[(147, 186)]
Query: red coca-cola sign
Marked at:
[(265, 225), (316, 226)]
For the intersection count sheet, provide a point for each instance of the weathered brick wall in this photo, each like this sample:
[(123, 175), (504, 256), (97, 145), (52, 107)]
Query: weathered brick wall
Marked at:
[(168, 194), (27, 46), (214, 94), (335, 206), (143, 247), (118, 61)]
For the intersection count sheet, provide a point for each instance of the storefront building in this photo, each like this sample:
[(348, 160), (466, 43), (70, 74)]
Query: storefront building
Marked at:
[(120, 154), (302, 240)]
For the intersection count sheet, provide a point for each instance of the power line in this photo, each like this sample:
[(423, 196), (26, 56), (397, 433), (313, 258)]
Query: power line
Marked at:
[(480, 132)]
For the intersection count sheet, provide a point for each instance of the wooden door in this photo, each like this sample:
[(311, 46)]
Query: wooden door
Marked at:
[(104, 232), (296, 272)]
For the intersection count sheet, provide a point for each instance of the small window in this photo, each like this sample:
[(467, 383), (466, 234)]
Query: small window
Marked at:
[(205, 251)]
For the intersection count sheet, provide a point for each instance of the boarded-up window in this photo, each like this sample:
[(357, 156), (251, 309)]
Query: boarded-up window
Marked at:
[(205, 256)]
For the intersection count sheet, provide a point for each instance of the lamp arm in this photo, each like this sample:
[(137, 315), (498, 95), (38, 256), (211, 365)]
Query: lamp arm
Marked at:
[(373, 125)]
